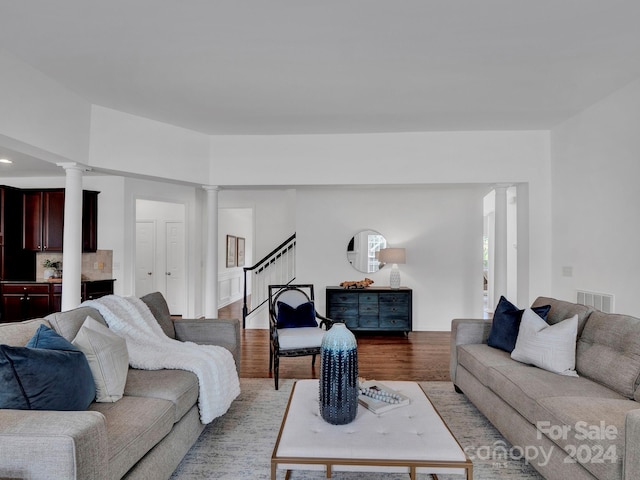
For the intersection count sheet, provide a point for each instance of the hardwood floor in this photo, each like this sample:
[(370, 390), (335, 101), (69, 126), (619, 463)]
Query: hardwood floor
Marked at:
[(418, 356)]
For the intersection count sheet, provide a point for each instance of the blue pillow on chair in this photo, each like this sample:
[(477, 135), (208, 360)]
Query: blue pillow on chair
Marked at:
[(304, 315), (506, 324), (49, 373)]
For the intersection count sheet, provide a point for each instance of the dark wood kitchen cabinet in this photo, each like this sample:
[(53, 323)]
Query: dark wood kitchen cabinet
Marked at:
[(96, 289), (43, 220), (25, 300), (89, 221), (12, 257), (21, 301)]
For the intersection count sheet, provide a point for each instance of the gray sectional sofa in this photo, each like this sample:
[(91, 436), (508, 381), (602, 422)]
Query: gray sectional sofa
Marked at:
[(581, 427), (144, 435)]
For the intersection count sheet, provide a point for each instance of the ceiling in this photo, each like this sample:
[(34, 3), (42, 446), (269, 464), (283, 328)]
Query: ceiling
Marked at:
[(329, 66)]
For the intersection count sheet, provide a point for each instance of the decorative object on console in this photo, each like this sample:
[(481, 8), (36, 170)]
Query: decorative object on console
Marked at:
[(394, 256), (357, 284), (339, 388)]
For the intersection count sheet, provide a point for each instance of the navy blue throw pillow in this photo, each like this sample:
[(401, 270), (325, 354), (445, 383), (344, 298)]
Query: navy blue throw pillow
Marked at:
[(49, 373), (506, 323), (304, 315)]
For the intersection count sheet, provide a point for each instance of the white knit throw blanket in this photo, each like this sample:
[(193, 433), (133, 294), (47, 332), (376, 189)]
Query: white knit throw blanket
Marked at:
[(150, 349)]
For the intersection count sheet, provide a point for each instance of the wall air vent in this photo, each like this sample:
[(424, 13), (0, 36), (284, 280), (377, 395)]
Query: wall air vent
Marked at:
[(599, 301)]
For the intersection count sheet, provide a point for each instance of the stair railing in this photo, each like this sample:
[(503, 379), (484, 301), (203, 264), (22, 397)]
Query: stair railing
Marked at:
[(276, 268)]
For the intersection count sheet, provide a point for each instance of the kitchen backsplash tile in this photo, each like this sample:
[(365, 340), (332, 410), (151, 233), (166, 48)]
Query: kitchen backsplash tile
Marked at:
[(95, 266)]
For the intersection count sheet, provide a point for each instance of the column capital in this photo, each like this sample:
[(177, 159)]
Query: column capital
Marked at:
[(211, 188), (74, 166)]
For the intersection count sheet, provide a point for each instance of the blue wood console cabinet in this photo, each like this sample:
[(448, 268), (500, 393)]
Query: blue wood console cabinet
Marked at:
[(371, 308)]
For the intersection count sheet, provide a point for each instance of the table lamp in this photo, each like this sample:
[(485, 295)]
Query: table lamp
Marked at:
[(393, 256)]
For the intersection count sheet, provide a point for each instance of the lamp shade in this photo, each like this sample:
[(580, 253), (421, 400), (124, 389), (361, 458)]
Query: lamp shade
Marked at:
[(393, 255)]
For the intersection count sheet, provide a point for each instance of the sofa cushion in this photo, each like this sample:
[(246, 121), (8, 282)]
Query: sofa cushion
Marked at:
[(108, 359), (180, 387), (479, 358), (506, 324), (68, 323), (608, 351), (49, 373), (160, 310), (523, 386), (17, 334), (552, 347), (589, 429), (134, 426), (561, 310)]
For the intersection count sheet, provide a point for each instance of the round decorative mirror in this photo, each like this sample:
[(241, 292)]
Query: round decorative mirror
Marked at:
[(362, 251)]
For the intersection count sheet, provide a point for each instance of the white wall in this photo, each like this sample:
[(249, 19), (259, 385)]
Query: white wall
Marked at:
[(596, 226), (40, 117), (384, 158), (406, 159), (274, 215), (440, 227), (237, 222), (127, 143), (135, 189)]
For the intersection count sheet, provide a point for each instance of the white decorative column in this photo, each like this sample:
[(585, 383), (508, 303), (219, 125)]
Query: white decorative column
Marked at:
[(211, 256), (500, 244), (72, 236)]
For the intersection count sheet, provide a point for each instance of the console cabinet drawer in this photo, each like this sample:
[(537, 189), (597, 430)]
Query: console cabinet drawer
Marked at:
[(371, 309)]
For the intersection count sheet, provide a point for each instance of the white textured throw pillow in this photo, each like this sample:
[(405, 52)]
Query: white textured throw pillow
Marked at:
[(552, 347), (108, 359)]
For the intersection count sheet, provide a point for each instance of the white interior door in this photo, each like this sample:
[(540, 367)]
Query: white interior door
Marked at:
[(175, 260), (145, 257)]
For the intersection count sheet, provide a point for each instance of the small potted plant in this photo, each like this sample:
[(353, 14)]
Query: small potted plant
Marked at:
[(51, 268)]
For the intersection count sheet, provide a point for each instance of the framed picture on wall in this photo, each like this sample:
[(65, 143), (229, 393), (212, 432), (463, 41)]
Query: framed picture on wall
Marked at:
[(240, 252), (231, 251)]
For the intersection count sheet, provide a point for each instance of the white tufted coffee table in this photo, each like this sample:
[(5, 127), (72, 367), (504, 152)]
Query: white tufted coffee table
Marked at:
[(411, 439)]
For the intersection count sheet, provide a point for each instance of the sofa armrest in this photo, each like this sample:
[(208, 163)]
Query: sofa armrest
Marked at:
[(211, 331), (631, 465), (466, 331), (41, 445)]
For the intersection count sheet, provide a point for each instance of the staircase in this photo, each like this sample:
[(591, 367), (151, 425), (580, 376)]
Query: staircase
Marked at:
[(276, 268)]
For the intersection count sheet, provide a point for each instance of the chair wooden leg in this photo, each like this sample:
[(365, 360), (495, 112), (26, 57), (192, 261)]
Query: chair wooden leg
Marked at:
[(313, 360), (270, 359), (276, 367)]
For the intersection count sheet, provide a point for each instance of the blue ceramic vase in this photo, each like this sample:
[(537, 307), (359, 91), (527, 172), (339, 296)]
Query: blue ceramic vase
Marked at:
[(339, 375)]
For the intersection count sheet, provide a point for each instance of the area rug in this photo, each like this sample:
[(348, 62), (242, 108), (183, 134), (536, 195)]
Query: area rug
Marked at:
[(239, 445)]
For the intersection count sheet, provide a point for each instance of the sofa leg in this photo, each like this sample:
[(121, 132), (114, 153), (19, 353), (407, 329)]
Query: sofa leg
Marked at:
[(457, 389)]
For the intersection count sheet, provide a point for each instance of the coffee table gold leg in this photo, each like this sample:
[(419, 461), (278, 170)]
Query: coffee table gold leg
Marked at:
[(328, 470)]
